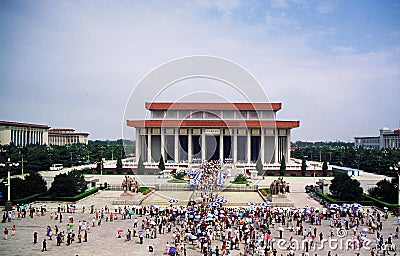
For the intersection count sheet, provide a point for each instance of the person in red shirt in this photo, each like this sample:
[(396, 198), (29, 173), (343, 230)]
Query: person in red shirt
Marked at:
[(5, 233), (13, 230)]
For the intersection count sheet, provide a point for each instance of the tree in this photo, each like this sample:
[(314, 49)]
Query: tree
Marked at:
[(63, 185), (35, 183), (119, 165), (325, 169), (303, 167), (79, 180), (161, 165), (259, 167), (282, 169), (178, 175), (68, 184), (140, 166), (352, 190), (240, 178), (99, 166), (337, 183), (385, 190), (346, 188)]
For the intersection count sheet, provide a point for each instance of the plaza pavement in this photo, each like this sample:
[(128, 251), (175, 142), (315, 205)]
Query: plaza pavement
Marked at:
[(102, 240)]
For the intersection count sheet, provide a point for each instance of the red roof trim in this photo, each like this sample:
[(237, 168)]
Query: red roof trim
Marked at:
[(212, 123), (7, 123), (67, 133), (212, 106)]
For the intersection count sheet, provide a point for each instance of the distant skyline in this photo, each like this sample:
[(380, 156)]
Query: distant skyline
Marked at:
[(334, 65)]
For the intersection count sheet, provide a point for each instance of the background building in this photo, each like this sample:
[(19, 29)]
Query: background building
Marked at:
[(21, 134), (386, 139), (65, 136), (232, 132)]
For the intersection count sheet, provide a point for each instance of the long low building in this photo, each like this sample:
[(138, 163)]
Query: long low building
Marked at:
[(65, 136), (22, 134), (231, 132)]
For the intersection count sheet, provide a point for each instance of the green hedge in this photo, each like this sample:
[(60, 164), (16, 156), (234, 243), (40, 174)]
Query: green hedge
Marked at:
[(379, 203), (332, 200), (68, 198)]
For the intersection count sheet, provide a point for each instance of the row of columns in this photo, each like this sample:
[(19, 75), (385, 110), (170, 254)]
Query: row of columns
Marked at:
[(63, 139), (278, 151), (25, 137)]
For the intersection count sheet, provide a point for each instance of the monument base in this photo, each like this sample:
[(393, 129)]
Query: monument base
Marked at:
[(280, 200), (129, 193)]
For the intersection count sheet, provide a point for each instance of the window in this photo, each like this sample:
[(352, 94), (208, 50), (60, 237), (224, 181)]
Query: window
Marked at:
[(197, 115), (158, 113), (228, 114)]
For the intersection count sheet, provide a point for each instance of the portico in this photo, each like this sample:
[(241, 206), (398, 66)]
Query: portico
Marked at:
[(250, 132)]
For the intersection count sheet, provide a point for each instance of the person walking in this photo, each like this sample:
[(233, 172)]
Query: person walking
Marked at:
[(13, 230), (35, 237), (44, 248), (5, 233)]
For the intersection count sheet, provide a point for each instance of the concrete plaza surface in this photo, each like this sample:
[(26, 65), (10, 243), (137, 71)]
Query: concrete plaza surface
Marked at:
[(102, 239)]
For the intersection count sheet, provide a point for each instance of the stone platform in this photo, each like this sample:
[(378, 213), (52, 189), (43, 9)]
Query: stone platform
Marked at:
[(280, 200)]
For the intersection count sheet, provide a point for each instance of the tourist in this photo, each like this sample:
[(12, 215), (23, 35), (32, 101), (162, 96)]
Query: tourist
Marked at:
[(13, 230), (44, 245), (35, 237), (5, 233)]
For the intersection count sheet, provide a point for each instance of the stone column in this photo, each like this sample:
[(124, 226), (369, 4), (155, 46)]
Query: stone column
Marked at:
[(162, 142), (176, 142), (221, 145), (288, 145), (262, 146), (234, 145), (149, 159), (248, 145), (190, 146), (203, 144), (137, 145), (276, 146)]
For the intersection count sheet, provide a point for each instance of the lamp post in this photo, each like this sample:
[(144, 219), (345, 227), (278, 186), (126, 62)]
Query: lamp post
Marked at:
[(396, 167), (22, 163), (8, 164), (314, 164)]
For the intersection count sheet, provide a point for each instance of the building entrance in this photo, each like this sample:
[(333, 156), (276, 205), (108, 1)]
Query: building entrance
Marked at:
[(212, 147)]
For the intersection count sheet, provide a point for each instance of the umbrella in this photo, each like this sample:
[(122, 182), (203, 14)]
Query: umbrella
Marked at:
[(173, 201), (333, 206), (264, 204), (214, 204), (356, 205), (250, 204), (345, 205), (192, 237), (172, 250), (120, 231)]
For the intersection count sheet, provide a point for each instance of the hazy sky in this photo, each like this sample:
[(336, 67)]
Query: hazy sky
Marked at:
[(335, 65)]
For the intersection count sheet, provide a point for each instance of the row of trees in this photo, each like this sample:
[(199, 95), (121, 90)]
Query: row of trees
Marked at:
[(37, 157), (68, 184), (344, 154)]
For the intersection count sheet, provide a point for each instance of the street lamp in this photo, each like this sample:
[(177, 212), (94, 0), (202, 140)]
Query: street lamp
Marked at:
[(8, 164), (22, 162), (396, 168)]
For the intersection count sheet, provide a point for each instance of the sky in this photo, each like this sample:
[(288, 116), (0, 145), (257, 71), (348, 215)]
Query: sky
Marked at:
[(334, 65)]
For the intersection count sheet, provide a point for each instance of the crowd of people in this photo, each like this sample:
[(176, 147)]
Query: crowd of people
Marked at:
[(204, 228)]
